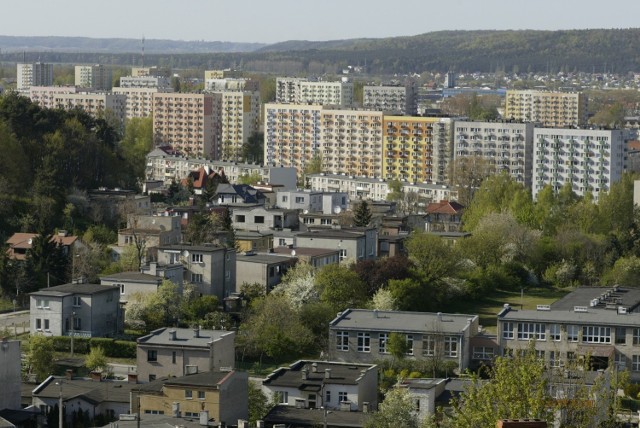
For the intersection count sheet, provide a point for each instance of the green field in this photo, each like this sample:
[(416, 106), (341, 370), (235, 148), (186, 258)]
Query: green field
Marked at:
[(489, 306)]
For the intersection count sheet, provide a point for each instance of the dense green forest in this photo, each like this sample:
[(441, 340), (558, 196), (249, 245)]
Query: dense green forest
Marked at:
[(525, 50)]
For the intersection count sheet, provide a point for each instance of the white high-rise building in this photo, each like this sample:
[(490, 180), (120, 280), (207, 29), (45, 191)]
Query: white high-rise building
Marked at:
[(95, 76), (291, 90), (34, 74), (398, 99), (139, 100), (145, 82), (588, 159)]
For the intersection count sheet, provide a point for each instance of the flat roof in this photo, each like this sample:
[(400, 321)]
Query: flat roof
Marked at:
[(200, 248), (615, 296), (206, 379), (340, 373), (132, 276), (306, 251), (291, 416), (184, 337), (66, 289), (264, 258), (401, 321), (591, 316)]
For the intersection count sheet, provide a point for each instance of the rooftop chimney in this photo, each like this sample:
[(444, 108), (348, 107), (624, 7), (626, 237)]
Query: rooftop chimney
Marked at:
[(196, 331), (314, 368), (172, 335), (305, 373), (327, 373), (68, 374)]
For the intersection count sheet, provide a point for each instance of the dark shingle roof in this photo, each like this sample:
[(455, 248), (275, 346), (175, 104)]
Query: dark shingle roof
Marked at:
[(292, 416), (66, 289), (341, 374), (132, 276)]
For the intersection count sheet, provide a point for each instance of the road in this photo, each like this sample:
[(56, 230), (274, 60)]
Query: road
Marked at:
[(15, 321)]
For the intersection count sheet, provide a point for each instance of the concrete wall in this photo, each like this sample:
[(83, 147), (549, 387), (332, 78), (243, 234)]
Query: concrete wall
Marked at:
[(234, 398), (10, 374), (164, 366), (103, 311), (223, 352)]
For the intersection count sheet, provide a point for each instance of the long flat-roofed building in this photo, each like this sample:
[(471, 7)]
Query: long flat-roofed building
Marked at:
[(550, 109), (33, 74)]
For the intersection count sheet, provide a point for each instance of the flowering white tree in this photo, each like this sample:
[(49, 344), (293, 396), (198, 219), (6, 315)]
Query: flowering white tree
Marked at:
[(298, 286)]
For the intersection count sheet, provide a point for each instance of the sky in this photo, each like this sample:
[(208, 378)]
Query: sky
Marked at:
[(270, 21)]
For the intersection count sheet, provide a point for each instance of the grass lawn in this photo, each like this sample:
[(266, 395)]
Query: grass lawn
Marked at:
[(489, 306)]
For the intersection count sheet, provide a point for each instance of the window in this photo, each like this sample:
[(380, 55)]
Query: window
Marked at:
[(38, 303), (196, 278), (197, 258), (282, 242), (152, 355), (450, 346), (45, 303), (259, 219), (343, 254), (121, 288), (342, 396), (299, 199), (554, 359), (531, 330), (77, 301), (428, 346), (572, 333), (191, 414), (154, 412), (327, 396), (596, 334), (173, 357), (571, 356), (188, 394), (77, 323), (201, 395), (409, 344), (282, 397), (342, 341), (38, 324), (285, 198), (635, 363), (621, 335), (554, 332), (636, 336), (383, 338), (46, 325), (416, 405), (507, 330), (483, 353), (240, 219), (364, 342)]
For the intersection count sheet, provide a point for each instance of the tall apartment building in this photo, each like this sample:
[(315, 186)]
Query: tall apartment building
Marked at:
[(139, 100), (588, 159), (145, 82), (239, 120), (398, 99), (187, 122), (144, 71), (292, 90), (416, 149), (506, 146), (229, 84), (221, 74), (95, 76), (34, 74), (550, 109), (69, 97)]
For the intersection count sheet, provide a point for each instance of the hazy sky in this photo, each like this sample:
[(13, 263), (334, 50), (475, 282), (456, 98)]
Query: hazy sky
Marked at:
[(269, 21)]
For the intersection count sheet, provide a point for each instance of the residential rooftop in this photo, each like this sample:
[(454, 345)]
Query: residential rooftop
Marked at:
[(87, 389), (68, 289), (291, 416), (306, 251), (204, 248), (607, 299), (132, 277), (183, 337), (264, 258), (317, 373)]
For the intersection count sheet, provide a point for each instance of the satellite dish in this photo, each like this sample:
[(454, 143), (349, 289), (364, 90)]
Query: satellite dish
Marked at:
[(337, 210), (30, 241), (293, 253), (185, 253), (305, 212)]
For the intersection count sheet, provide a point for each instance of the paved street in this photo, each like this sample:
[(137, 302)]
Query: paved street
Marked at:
[(15, 322)]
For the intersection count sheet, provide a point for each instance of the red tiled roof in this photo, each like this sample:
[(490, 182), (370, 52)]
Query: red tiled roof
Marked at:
[(22, 241), (444, 207)]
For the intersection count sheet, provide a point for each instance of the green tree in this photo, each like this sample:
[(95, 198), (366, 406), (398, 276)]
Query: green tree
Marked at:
[(250, 179), (258, 403), (397, 410), (362, 215), (40, 356), (398, 345), (252, 150), (96, 360), (467, 174), (197, 308), (340, 287), (136, 143)]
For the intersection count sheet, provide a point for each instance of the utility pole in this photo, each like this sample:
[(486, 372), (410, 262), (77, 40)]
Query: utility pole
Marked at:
[(60, 417)]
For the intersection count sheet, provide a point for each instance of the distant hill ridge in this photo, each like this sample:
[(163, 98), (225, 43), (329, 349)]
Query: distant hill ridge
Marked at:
[(613, 50)]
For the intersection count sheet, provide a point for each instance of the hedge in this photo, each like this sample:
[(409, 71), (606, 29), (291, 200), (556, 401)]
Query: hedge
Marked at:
[(112, 348)]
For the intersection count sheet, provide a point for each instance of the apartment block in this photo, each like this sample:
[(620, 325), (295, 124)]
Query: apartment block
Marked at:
[(69, 97), (229, 84), (239, 120), (34, 74), (506, 146), (139, 100), (145, 82), (398, 99), (550, 109), (187, 122), (288, 90), (416, 149), (96, 77), (302, 91), (222, 74), (599, 323), (588, 159)]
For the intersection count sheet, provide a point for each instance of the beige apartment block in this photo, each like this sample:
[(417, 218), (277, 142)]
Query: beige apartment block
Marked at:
[(139, 100), (187, 122), (239, 120), (69, 97), (550, 109), (95, 76), (35, 74)]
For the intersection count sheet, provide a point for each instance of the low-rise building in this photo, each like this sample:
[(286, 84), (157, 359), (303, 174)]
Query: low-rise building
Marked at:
[(444, 216), (239, 195), (353, 243), (424, 393), (85, 310), (316, 257), (130, 283), (361, 335), (19, 243), (264, 219), (180, 351), (248, 240), (264, 269), (313, 384)]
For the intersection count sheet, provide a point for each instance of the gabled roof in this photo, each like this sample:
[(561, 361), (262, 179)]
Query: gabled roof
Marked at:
[(444, 207), (86, 389), (132, 277), (23, 242), (247, 193)]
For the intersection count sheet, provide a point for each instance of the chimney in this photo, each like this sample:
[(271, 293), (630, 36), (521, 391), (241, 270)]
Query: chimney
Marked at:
[(204, 418), (196, 331), (314, 368), (96, 376), (172, 335), (305, 373), (259, 424), (153, 268), (375, 313), (243, 424), (132, 378), (327, 373), (68, 374)]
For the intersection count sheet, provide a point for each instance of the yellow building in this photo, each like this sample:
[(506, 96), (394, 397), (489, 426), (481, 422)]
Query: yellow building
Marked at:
[(253, 241), (416, 149), (222, 396)]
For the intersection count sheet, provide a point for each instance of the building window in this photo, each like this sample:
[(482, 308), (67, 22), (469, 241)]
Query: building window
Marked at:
[(409, 344), (416, 405), (45, 303), (188, 394), (173, 357), (619, 361), (299, 200), (364, 342), (507, 330), (450, 346), (554, 332), (285, 198), (596, 334), (77, 301), (343, 254), (483, 353), (121, 286), (636, 336), (554, 359), (635, 363), (342, 341), (196, 278), (201, 395), (282, 397), (197, 258), (621, 335), (46, 325), (38, 324), (152, 355), (428, 346), (282, 242), (240, 219), (77, 323), (327, 396), (572, 333), (383, 338), (259, 219), (531, 330), (342, 396)]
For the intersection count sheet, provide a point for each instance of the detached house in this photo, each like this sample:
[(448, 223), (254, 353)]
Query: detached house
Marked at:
[(20, 243), (444, 216), (353, 243), (239, 195), (86, 310)]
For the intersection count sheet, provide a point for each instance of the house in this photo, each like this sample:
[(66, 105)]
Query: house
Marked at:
[(239, 195), (264, 219), (107, 205), (353, 243), (247, 240), (361, 335), (285, 238), (150, 232), (290, 416), (310, 219), (265, 269), (85, 310), (10, 374), (444, 216), (106, 398), (602, 323), (203, 177), (392, 245), (314, 201), (310, 384), (173, 272), (132, 282), (221, 396), (20, 243), (179, 351), (424, 393), (316, 257), (211, 268)]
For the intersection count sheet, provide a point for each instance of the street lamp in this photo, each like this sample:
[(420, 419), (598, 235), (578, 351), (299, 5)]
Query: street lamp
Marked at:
[(60, 417)]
